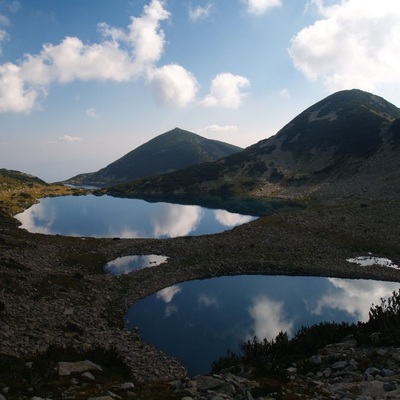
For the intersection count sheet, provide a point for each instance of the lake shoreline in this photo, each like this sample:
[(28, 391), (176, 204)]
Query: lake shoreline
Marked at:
[(57, 294)]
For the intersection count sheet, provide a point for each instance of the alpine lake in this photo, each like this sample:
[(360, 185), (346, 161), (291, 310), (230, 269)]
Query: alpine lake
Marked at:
[(198, 321)]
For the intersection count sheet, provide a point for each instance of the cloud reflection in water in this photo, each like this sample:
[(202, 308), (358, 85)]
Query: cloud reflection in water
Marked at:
[(269, 318), (172, 220), (168, 294), (124, 265), (229, 219), (354, 296)]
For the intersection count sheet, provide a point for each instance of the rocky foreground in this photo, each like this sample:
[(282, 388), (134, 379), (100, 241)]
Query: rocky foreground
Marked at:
[(338, 371), (55, 294)]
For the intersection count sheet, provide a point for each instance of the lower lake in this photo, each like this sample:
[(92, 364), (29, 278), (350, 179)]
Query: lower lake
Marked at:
[(198, 321)]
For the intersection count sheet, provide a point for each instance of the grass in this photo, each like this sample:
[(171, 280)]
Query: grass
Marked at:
[(19, 191)]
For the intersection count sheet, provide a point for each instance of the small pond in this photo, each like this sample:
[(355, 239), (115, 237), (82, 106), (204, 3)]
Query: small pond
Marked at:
[(127, 264)]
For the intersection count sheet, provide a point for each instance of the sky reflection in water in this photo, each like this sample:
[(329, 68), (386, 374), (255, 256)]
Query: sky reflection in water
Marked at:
[(197, 321), (107, 216), (124, 265)]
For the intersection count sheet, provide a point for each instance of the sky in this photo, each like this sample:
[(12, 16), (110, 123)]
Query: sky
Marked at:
[(82, 83)]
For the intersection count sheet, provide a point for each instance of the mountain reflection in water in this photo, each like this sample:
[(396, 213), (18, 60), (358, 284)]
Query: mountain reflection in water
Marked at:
[(108, 216), (197, 321)]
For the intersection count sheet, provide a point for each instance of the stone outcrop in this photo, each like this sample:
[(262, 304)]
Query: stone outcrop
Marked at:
[(338, 371)]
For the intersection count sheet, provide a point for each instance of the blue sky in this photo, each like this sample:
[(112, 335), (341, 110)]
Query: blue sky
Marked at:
[(84, 82)]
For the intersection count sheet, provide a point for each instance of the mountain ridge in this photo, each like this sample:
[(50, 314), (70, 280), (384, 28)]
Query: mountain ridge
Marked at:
[(167, 152), (333, 140)]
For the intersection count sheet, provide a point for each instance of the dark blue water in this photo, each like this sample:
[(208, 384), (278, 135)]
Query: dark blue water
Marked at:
[(196, 322)]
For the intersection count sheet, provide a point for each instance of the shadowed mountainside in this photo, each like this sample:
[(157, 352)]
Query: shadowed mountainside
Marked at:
[(344, 137), (168, 152)]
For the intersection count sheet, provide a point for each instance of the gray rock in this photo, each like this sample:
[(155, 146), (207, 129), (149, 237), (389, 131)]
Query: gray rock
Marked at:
[(388, 372), (327, 372), (373, 371), (88, 375), (125, 386), (389, 386), (101, 398), (339, 365), (207, 382), (317, 360)]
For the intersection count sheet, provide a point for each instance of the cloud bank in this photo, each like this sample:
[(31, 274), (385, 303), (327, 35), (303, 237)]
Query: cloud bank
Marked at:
[(121, 55), (355, 43)]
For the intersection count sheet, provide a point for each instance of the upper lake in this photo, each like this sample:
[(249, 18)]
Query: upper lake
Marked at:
[(108, 216)]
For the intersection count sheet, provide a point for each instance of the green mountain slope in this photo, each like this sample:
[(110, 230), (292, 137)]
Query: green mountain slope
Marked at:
[(11, 177), (170, 151), (335, 139)]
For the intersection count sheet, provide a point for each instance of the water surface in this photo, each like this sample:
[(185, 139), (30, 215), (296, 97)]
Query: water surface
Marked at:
[(108, 216), (197, 321)]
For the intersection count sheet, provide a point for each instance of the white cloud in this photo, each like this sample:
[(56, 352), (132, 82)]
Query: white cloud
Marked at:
[(120, 56), (220, 128), (3, 33), (92, 113), (260, 7), (168, 293), (269, 318), (354, 44), (146, 36), (285, 94), (199, 12), (73, 60), (226, 91), (70, 139), (12, 6), (15, 94), (173, 84)]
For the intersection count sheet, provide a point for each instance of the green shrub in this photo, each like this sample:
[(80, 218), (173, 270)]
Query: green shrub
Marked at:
[(384, 321)]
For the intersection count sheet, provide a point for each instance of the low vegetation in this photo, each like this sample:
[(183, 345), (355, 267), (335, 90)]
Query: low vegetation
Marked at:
[(19, 191), (271, 358)]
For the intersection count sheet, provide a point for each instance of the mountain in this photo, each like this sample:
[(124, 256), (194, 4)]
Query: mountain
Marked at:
[(170, 151), (348, 134), (11, 177)]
